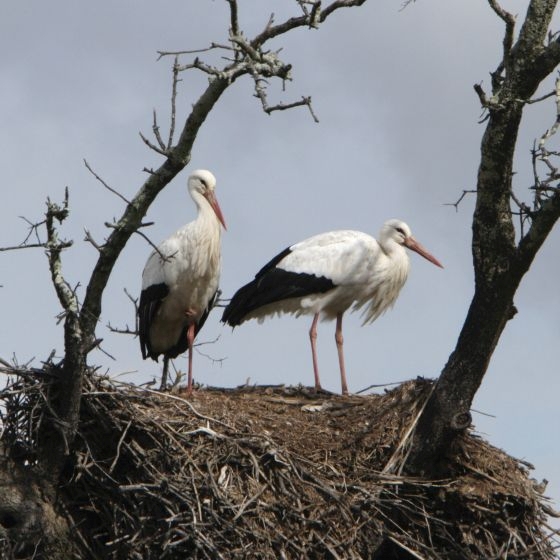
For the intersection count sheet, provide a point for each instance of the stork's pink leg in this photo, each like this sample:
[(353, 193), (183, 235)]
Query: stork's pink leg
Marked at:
[(163, 384), (190, 341), (313, 339), (340, 347)]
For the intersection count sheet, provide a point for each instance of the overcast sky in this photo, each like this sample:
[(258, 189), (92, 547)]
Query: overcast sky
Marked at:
[(398, 137)]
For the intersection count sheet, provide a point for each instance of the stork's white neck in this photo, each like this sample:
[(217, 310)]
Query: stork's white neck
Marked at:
[(206, 224), (205, 211), (393, 249)]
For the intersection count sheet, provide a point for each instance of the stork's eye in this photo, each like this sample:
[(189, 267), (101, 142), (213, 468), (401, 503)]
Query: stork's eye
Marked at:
[(401, 231)]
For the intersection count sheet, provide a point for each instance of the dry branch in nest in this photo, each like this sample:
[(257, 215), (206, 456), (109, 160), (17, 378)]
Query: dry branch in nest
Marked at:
[(273, 473)]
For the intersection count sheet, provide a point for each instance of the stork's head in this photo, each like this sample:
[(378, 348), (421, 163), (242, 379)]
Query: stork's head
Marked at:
[(397, 231), (202, 182)]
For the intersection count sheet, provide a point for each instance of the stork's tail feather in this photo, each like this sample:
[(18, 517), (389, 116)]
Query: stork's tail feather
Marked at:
[(241, 304), (274, 286)]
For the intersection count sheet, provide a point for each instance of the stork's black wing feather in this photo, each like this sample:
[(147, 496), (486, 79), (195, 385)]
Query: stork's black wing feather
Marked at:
[(273, 284), (181, 345), (150, 300)]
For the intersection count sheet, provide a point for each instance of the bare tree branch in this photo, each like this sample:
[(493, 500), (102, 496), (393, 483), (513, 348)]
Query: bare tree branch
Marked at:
[(509, 20), (213, 46), (460, 199), (66, 295), (160, 151), (33, 229), (122, 330), (162, 256), (554, 128), (234, 19), (91, 240), (115, 192), (539, 99), (272, 31), (260, 92), (173, 102), (312, 14), (26, 246), (127, 329), (155, 129)]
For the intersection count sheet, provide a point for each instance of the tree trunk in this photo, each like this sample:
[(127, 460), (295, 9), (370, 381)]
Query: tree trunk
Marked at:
[(27, 518), (499, 264)]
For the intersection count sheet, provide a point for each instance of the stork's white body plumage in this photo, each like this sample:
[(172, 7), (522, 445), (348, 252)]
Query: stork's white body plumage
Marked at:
[(362, 274), (327, 274), (180, 280)]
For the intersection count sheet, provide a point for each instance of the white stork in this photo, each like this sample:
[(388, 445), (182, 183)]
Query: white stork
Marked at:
[(180, 280), (325, 275)]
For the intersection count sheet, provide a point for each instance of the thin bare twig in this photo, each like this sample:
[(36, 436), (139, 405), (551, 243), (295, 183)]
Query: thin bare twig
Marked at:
[(539, 99), (234, 17), (212, 47), (111, 189), (544, 188), (261, 94), (89, 238), (120, 330), (66, 294), (33, 229), (173, 102), (27, 246), (460, 199), (509, 20), (153, 146), (164, 258), (155, 129), (127, 329)]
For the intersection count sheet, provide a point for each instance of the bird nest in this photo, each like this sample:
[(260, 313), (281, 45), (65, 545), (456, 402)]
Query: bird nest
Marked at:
[(275, 472)]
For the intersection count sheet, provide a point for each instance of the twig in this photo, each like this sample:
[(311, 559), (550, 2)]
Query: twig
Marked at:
[(90, 239), (554, 128), (509, 20), (539, 99), (165, 258), (212, 46), (127, 329), (406, 548), (190, 406), (155, 129), (153, 146), (460, 199), (487, 103), (260, 93), (173, 102), (399, 453), (66, 295), (119, 444), (27, 246), (33, 228), (115, 192), (234, 18)]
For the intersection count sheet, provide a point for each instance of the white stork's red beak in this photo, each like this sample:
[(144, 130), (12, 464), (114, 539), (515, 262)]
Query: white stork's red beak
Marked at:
[(413, 245), (213, 201)]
